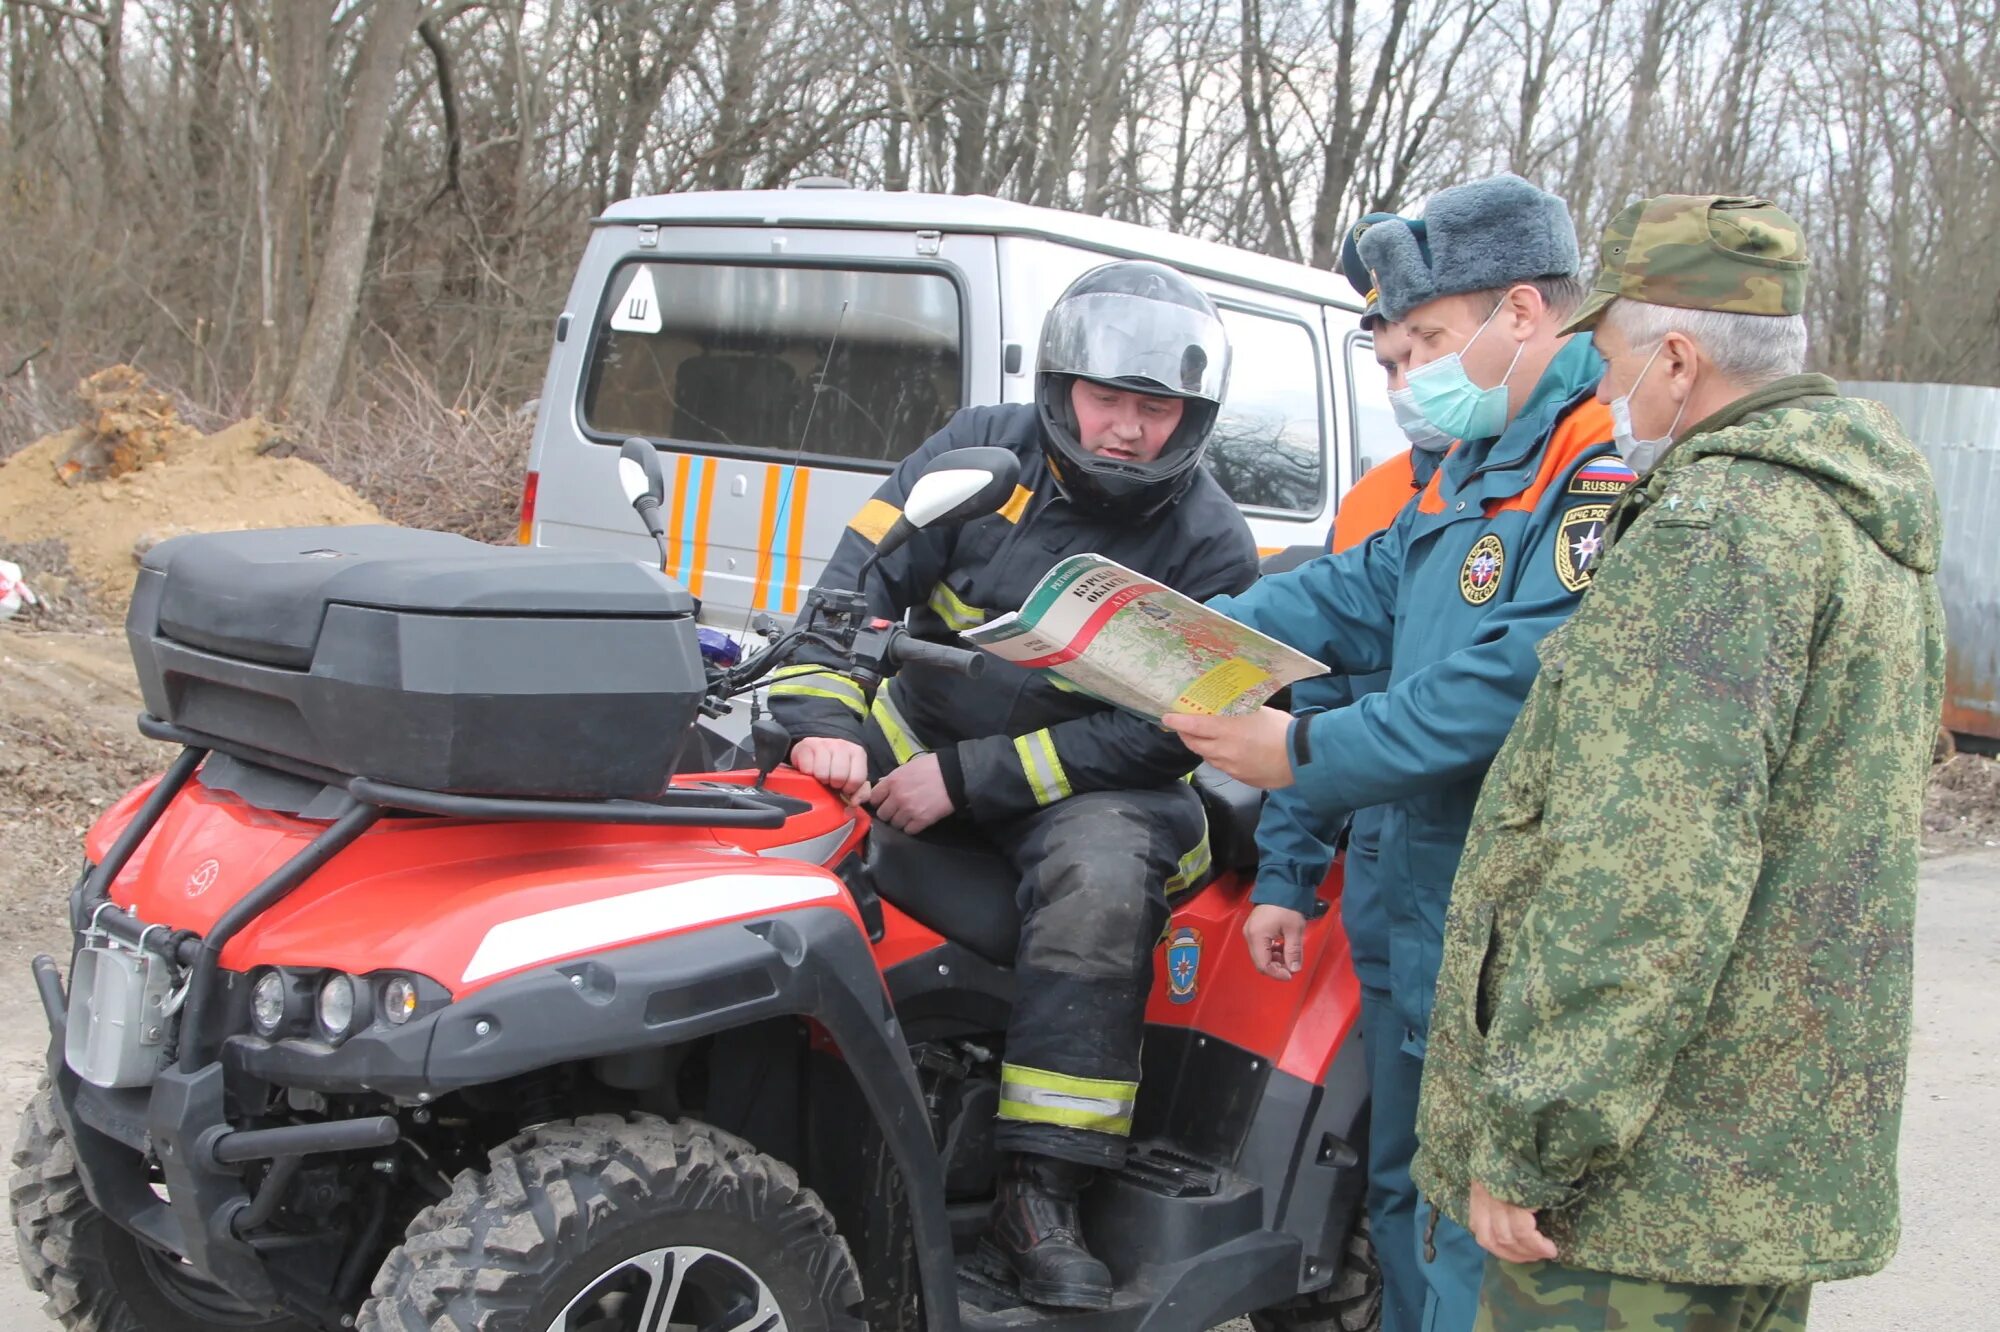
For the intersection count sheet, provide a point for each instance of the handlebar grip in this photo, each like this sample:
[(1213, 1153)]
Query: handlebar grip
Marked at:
[(906, 650)]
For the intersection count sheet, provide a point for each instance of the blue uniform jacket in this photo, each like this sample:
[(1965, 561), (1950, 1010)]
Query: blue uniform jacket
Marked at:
[(1451, 599)]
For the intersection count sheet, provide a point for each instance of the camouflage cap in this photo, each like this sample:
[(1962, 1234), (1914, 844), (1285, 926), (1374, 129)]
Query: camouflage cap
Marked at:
[(1700, 252)]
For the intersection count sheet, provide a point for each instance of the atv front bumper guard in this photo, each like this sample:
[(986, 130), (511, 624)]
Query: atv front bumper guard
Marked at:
[(810, 963)]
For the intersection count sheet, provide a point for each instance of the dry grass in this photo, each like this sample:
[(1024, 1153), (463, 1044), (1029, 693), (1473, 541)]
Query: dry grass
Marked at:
[(425, 457)]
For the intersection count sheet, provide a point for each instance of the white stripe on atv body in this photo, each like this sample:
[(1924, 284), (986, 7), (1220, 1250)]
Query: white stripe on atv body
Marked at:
[(569, 930)]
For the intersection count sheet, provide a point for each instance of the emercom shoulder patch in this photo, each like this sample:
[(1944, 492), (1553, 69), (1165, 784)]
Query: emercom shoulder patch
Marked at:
[(1479, 578), (1602, 476), (1579, 544)]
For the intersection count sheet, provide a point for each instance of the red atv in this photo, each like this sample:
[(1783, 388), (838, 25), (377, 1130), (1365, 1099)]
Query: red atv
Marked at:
[(422, 992)]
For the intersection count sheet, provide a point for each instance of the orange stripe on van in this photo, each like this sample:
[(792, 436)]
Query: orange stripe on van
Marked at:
[(698, 574), (795, 541), (676, 502), (767, 528)]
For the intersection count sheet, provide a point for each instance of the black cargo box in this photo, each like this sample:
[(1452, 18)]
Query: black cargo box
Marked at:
[(421, 658)]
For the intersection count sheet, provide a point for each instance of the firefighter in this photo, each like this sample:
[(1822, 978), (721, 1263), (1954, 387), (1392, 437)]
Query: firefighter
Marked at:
[(1086, 801)]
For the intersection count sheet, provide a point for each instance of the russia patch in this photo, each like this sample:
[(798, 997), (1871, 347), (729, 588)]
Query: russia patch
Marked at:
[(1602, 476), (1579, 544), (1183, 964), (1479, 579)]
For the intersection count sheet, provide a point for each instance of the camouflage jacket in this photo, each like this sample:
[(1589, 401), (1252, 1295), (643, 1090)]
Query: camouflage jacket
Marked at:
[(1674, 1008)]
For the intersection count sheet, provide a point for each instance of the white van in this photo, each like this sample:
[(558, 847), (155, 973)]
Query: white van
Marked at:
[(785, 348)]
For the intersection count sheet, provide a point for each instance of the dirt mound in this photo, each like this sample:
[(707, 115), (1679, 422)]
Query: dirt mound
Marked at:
[(172, 481), (1964, 805)]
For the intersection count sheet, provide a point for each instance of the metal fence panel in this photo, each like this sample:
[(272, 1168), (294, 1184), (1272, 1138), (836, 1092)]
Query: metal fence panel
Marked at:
[(1958, 428)]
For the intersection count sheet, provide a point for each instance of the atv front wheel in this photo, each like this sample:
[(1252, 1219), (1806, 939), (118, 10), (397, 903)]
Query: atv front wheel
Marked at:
[(97, 1276), (616, 1225), (1353, 1303)]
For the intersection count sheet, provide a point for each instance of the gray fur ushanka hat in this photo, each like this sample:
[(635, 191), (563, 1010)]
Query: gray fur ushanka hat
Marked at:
[(1478, 236)]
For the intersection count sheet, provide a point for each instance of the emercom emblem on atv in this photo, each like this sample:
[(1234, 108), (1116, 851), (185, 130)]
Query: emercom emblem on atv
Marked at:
[(1184, 964)]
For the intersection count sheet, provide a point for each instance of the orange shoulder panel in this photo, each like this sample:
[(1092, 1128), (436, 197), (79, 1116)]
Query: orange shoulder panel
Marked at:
[(1587, 425), (1373, 502)]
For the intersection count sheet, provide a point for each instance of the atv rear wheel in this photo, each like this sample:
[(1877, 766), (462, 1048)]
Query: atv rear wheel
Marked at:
[(614, 1225), (97, 1276), (1353, 1303)]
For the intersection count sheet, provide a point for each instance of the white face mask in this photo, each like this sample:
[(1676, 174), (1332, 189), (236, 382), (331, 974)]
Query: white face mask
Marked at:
[(1415, 425), (1640, 454)]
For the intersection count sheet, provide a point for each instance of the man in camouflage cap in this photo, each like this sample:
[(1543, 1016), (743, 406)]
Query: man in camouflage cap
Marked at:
[(1666, 1071)]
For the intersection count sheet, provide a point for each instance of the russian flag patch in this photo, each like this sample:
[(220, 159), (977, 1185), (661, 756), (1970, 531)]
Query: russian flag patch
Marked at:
[(1602, 476)]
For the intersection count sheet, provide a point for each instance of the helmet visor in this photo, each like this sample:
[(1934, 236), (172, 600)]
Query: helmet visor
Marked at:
[(1138, 342)]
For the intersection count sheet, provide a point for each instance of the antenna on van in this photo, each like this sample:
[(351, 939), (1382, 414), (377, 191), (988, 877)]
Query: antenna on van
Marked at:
[(784, 506)]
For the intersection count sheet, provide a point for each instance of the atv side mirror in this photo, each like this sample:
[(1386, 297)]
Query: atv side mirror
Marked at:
[(645, 484), (958, 485)]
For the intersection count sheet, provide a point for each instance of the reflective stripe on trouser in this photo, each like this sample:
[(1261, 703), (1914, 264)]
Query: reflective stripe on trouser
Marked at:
[(1549, 1297), (1094, 869), (1041, 1096), (808, 681)]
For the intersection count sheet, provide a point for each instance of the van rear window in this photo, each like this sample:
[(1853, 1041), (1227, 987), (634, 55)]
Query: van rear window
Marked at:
[(1266, 449), (734, 356)]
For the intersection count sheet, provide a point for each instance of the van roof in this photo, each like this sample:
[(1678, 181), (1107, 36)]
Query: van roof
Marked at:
[(822, 207)]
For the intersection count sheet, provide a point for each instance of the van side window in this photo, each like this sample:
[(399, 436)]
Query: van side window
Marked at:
[(1377, 437), (733, 355), (1266, 451)]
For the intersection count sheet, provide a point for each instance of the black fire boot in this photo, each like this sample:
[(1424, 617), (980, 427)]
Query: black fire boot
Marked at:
[(1037, 1233)]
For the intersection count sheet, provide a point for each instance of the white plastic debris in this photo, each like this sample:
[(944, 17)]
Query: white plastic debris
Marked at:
[(14, 592)]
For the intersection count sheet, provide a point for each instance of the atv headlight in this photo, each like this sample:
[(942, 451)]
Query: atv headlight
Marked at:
[(267, 1004), (399, 1000), (336, 1005)]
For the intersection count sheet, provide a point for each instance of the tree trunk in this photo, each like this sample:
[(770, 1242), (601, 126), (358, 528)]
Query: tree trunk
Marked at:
[(336, 300)]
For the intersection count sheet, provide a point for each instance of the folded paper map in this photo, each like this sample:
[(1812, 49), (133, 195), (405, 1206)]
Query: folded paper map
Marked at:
[(1140, 645)]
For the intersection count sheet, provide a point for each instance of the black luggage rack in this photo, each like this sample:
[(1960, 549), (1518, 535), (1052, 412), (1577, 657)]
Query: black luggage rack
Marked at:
[(363, 802)]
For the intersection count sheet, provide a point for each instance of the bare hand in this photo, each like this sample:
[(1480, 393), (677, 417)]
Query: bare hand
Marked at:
[(1507, 1231), (1277, 939), (840, 764), (913, 797), (1251, 749)]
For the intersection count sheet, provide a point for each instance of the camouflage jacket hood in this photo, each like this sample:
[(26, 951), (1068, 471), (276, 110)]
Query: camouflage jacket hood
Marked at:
[(1852, 449), (1674, 1008)]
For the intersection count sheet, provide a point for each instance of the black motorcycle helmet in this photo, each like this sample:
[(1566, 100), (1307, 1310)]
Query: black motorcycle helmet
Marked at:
[(1140, 326)]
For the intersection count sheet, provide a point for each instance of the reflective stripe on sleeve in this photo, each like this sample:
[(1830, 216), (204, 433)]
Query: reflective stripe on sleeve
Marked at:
[(1042, 767), (902, 739), (1039, 1096), (820, 682), (957, 616)]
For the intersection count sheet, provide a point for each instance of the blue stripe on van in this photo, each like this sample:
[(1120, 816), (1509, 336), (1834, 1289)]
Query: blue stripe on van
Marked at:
[(781, 552), (689, 513)]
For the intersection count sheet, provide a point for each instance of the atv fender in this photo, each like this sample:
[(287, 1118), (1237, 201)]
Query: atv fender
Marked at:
[(812, 963)]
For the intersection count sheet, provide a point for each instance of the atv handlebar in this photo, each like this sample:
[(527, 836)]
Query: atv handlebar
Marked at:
[(905, 650)]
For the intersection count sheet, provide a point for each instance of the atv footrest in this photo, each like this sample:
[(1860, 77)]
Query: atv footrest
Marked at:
[(1165, 1170)]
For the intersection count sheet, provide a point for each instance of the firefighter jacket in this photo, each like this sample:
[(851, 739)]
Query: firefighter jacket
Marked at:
[(1451, 600), (1013, 740)]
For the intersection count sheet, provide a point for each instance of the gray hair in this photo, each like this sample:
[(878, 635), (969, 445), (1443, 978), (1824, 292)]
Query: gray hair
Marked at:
[(1561, 293), (1750, 350)]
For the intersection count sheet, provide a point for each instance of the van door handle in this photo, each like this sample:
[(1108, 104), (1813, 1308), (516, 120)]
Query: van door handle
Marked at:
[(739, 485)]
